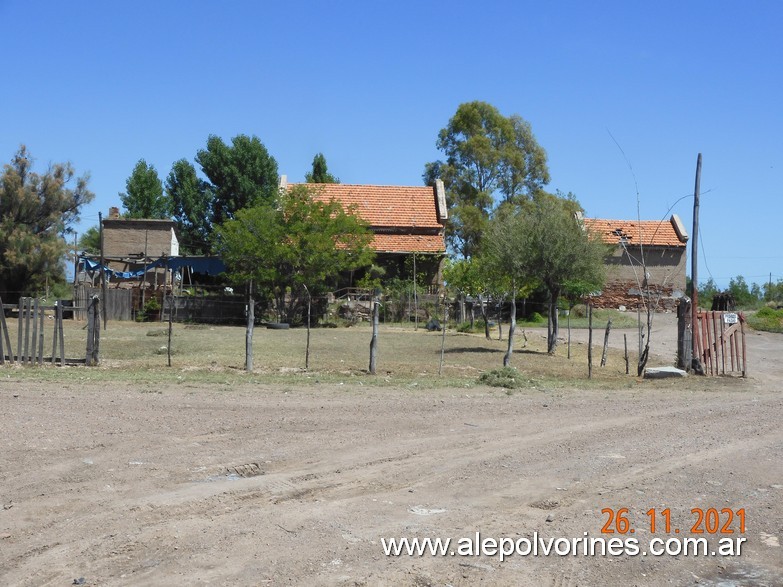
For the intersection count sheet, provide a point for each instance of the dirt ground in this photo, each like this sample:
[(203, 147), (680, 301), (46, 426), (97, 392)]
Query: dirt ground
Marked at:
[(277, 485)]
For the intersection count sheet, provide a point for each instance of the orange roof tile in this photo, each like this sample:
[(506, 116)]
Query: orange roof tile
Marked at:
[(408, 243), (385, 205), (649, 232)]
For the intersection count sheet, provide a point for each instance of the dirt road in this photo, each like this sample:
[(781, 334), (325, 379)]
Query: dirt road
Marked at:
[(179, 485)]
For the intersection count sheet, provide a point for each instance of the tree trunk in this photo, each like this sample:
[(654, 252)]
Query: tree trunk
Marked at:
[(512, 327), (483, 306), (553, 322), (645, 352), (500, 320)]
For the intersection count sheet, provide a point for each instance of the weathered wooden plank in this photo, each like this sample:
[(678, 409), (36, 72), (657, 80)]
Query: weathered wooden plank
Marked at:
[(19, 330), (41, 314), (96, 347), (710, 348), (744, 356), (61, 334), (33, 350), (54, 335), (90, 334), (5, 334)]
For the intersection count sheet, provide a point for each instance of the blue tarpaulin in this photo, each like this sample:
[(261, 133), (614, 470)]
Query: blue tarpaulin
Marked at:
[(208, 265)]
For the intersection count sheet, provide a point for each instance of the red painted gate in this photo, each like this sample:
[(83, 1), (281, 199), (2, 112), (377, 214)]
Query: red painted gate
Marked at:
[(720, 342)]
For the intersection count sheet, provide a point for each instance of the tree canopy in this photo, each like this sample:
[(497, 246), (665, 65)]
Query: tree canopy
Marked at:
[(489, 157), (242, 175), (90, 241), (35, 211), (543, 241), (191, 206), (300, 241), (143, 197), (320, 173)]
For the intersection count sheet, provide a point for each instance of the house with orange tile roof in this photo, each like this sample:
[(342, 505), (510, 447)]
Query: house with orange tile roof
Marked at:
[(406, 221), (662, 245)]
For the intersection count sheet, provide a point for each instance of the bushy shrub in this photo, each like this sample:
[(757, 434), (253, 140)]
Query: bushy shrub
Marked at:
[(579, 311), (507, 377), (767, 319), (536, 318), (478, 326)]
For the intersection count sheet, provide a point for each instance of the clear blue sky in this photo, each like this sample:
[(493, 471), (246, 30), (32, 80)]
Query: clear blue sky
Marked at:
[(369, 84)]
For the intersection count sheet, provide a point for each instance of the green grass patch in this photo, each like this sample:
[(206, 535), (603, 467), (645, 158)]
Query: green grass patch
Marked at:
[(506, 377), (408, 358), (767, 319)]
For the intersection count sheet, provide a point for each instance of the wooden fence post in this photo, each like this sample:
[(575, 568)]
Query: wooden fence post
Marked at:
[(251, 319), (374, 340), (55, 333), (443, 334), (625, 342), (589, 340), (170, 298), (93, 333), (3, 334), (60, 333), (34, 349), (40, 335), (90, 332), (606, 342)]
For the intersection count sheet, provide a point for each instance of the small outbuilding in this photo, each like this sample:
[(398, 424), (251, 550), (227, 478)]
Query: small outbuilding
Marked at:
[(644, 253)]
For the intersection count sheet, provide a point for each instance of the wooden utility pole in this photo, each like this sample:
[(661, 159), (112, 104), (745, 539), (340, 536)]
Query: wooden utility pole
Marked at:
[(103, 272), (694, 259)]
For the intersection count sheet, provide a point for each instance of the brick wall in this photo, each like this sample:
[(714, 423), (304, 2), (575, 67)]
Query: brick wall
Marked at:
[(666, 269)]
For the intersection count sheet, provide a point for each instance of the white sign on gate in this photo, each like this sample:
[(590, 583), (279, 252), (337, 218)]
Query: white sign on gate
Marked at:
[(730, 318)]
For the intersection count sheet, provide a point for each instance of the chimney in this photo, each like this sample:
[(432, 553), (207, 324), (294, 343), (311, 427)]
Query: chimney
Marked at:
[(114, 213), (440, 195)]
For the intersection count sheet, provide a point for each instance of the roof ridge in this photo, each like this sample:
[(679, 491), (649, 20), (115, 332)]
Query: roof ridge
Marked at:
[(369, 185)]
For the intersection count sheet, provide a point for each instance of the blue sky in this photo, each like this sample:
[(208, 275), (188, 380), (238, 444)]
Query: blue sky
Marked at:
[(370, 84)]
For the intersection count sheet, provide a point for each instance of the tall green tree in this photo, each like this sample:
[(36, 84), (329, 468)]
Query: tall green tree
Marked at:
[(242, 175), (543, 240), (90, 241), (489, 158), (298, 242), (191, 205), (143, 197), (35, 211), (320, 173)]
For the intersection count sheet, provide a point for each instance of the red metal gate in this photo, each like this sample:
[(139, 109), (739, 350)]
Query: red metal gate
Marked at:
[(720, 342)]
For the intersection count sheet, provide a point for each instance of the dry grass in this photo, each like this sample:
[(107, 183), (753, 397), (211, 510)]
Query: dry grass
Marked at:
[(216, 354)]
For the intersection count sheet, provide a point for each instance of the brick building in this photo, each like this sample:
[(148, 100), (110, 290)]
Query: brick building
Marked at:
[(663, 244), (405, 221)]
